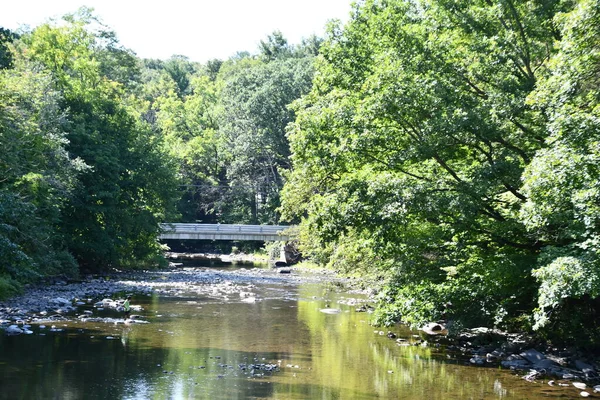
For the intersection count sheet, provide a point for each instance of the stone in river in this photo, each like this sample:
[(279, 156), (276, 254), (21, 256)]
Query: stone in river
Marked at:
[(532, 355), (13, 330), (330, 310)]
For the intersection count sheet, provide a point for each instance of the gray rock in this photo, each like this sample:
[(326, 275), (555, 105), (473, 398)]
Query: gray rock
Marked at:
[(582, 366), (545, 364), (60, 301), (515, 364), (13, 330), (532, 355), (477, 360), (433, 328)]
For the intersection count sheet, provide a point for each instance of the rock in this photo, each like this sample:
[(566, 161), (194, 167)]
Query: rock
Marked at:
[(545, 364), (515, 364), (532, 375), (330, 310), (285, 271), (596, 388), (583, 366), (584, 394), (477, 360), (532, 355), (587, 369), (433, 328), (61, 301), (579, 385), (13, 330)]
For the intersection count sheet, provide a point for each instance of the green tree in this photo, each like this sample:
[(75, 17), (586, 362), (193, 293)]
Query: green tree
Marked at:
[(412, 143), (38, 177), (562, 183), (112, 219), (254, 114), (6, 37)]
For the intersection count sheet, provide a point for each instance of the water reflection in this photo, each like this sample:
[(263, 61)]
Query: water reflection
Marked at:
[(198, 347)]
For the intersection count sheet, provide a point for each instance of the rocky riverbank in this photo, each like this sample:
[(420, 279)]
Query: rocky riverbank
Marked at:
[(64, 300), (529, 358)]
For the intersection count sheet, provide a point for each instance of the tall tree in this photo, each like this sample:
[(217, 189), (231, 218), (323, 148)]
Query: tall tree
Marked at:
[(37, 177), (254, 117), (409, 150), (562, 183), (113, 217)]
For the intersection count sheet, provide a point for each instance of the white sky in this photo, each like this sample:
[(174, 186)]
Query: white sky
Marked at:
[(198, 29)]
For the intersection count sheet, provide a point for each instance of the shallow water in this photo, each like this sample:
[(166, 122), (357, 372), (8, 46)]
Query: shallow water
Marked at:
[(276, 341)]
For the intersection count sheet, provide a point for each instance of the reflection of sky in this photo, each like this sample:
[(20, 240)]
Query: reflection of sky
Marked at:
[(140, 388)]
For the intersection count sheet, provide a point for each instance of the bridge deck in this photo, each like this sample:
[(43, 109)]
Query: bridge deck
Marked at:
[(225, 232)]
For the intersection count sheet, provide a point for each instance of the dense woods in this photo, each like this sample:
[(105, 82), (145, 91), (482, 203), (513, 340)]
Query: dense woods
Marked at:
[(449, 151), (99, 146)]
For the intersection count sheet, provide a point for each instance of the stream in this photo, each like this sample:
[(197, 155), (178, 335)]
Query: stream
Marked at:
[(241, 333)]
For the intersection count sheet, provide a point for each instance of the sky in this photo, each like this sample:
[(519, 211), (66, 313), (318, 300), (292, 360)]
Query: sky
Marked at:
[(198, 29)]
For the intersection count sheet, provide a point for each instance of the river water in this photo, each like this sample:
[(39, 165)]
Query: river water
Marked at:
[(278, 339)]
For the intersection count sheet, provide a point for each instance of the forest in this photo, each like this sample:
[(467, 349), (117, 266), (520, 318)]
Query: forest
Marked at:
[(448, 152)]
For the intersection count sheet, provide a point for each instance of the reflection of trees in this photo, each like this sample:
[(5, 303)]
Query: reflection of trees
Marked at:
[(349, 361), (338, 357)]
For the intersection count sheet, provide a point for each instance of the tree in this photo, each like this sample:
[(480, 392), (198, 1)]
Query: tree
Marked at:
[(412, 144), (253, 120), (112, 218), (562, 182), (38, 177), (6, 37), (180, 69), (275, 47)]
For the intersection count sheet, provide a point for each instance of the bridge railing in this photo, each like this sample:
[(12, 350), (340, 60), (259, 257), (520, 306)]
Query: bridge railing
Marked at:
[(171, 230)]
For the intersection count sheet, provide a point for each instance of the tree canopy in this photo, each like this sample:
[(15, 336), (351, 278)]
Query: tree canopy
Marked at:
[(432, 152)]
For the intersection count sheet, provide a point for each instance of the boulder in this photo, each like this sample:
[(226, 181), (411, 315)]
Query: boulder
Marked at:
[(13, 330), (545, 364), (532, 355), (515, 364), (60, 301), (433, 328)]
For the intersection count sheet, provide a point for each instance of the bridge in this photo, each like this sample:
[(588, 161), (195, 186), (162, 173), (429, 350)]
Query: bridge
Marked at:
[(264, 233)]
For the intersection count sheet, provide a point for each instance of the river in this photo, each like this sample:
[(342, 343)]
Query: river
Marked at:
[(275, 336)]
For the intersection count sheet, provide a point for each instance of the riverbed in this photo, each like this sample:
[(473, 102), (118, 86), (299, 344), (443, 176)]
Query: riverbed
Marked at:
[(231, 332)]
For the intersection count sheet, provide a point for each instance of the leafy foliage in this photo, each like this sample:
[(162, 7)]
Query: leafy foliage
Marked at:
[(562, 180), (424, 121)]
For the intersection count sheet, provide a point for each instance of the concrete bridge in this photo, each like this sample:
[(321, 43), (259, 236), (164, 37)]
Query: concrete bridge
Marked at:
[(264, 233)]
